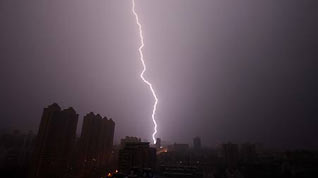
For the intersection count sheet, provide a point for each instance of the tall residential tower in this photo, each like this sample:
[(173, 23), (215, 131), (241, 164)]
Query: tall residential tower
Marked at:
[(54, 142), (96, 140)]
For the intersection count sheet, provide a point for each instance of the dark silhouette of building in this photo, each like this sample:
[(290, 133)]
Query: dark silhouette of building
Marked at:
[(197, 143), (15, 153), (230, 154), (158, 143), (96, 140), (180, 171), (248, 152), (54, 142), (128, 139), (138, 155)]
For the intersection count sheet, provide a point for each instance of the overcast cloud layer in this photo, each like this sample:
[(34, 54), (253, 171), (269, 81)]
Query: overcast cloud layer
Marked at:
[(224, 70)]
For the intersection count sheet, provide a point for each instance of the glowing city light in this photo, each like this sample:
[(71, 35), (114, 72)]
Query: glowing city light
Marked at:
[(144, 70)]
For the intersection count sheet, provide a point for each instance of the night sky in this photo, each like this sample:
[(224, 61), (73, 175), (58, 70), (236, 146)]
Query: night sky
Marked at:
[(224, 70)]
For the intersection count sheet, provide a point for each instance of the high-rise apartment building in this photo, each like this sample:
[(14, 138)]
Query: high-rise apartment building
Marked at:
[(54, 142), (197, 143), (96, 140), (136, 155)]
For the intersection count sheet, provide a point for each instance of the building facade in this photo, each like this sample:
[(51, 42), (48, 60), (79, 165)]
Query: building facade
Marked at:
[(197, 143), (54, 142), (137, 155), (96, 140)]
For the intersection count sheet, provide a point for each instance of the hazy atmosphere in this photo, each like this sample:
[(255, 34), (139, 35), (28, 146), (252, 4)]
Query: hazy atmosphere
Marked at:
[(224, 70)]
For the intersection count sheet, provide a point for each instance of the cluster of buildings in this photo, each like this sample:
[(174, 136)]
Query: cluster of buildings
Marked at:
[(56, 152), (15, 153)]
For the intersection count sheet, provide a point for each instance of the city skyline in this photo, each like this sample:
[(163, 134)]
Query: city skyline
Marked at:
[(159, 89), (55, 151)]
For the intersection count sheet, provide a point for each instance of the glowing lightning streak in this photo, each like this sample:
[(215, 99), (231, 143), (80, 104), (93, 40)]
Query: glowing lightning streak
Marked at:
[(144, 70)]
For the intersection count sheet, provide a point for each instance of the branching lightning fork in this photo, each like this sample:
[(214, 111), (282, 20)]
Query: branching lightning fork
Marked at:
[(144, 70)]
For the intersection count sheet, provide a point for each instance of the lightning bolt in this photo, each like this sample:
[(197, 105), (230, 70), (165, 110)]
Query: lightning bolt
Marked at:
[(144, 70)]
